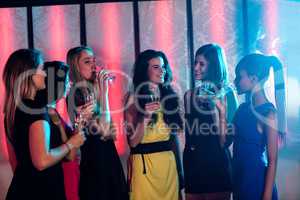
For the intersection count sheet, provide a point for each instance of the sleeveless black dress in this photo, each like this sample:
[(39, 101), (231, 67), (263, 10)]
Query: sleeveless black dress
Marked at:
[(28, 182), (206, 163), (101, 173)]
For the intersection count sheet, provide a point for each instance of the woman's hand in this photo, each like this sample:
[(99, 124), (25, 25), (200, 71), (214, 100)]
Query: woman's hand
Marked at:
[(221, 106), (111, 133), (41, 153), (87, 110), (150, 108), (76, 140), (103, 79)]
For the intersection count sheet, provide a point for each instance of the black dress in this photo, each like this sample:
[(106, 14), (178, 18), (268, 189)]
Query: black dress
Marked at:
[(101, 173), (28, 182), (206, 163)]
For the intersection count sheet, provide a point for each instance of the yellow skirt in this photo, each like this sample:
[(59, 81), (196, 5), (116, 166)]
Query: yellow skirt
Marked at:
[(160, 180)]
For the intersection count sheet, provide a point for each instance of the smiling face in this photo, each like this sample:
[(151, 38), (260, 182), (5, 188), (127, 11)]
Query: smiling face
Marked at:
[(200, 68), (87, 65), (156, 70)]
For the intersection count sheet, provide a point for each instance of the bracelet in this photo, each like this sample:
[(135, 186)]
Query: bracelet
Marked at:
[(69, 146)]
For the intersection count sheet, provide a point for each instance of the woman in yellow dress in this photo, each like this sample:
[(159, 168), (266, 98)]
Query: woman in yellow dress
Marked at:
[(154, 121)]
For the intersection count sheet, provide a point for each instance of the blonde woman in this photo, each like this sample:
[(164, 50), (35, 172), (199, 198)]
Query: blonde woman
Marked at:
[(101, 172)]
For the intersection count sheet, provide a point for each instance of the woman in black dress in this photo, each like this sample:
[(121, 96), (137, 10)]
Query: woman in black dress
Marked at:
[(101, 173), (36, 141), (208, 107)]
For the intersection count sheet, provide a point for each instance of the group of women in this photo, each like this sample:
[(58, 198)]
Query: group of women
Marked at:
[(210, 121)]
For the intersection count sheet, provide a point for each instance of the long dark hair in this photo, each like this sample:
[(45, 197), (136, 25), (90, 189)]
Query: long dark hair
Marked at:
[(217, 65), (169, 99), (18, 67), (260, 65)]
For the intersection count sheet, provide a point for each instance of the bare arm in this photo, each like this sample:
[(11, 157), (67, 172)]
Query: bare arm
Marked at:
[(272, 150), (105, 118), (73, 151), (231, 107), (54, 115), (221, 107), (39, 144), (137, 132), (178, 156), (135, 127)]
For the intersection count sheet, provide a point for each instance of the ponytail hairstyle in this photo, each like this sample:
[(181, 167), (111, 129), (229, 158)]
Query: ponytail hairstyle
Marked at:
[(17, 78), (280, 96), (259, 65)]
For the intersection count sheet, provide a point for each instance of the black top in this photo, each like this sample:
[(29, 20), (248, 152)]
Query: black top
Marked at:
[(28, 182), (206, 163), (101, 172)]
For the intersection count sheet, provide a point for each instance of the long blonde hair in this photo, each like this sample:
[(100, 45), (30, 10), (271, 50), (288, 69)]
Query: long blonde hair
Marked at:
[(80, 84), (73, 57), (18, 83)]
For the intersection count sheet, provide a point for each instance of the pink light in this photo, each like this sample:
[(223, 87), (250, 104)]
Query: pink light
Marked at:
[(217, 22), (163, 30), (7, 42), (7, 47), (270, 22), (57, 25), (111, 20)]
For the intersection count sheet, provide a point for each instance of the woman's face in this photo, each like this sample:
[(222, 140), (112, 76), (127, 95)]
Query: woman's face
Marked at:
[(156, 70), (39, 77), (243, 82), (87, 65), (201, 67)]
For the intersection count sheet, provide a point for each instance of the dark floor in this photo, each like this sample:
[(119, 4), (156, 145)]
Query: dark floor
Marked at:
[(288, 174)]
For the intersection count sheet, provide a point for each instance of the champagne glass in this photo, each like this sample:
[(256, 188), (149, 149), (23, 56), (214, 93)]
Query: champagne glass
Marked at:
[(100, 65)]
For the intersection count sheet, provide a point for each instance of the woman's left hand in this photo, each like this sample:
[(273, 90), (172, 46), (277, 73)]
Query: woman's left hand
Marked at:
[(87, 110)]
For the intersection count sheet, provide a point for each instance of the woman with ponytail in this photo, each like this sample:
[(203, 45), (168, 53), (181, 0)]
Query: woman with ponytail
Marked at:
[(258, 126)]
